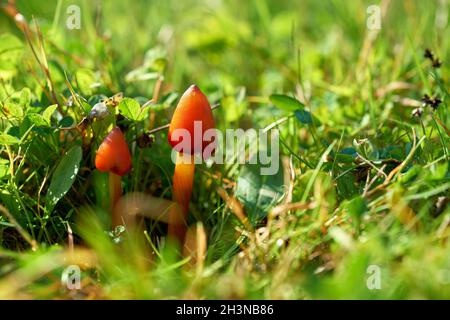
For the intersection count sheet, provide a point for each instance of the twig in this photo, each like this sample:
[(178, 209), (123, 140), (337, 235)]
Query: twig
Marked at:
[(379, 173), (371, 165)]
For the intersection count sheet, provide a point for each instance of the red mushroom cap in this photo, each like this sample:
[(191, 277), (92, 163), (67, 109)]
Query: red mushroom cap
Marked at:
[(113, 154), (193, 106)]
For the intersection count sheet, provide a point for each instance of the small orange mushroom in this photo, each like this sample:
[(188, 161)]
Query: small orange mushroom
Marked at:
[(113, 156), (193, 107)]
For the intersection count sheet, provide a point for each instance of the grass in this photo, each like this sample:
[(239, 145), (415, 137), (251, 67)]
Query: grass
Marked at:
[(363, 188)]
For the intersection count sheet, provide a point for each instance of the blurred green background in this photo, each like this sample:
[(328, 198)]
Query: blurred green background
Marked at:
[(254, 43)]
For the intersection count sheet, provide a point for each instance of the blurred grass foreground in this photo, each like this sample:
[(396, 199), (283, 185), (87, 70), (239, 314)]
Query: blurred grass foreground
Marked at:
[(357, 89)]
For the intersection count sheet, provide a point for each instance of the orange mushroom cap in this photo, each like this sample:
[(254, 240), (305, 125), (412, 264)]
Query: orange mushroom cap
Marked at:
[(193, 106), (113, 154)]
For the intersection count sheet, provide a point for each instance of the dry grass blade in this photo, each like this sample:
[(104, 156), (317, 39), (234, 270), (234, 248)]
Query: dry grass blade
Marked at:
[(235, 206), (289, 178), (393, 86), (195, 245), (278, 210)]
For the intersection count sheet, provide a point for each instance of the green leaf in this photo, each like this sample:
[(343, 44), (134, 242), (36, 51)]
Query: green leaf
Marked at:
[(346, 155), (344, 158), (11, 50), (15, 110), (143, 113), (346, 186), (9, 45), (64, 175), (438, 172), (286, 103), (6, 139), (4, 168), (48, 112), (37, 119), (303, 116), (66, 122), (25, 97), (306, 117), (257, 192), (131, 109), (412, 174), (357, 207)]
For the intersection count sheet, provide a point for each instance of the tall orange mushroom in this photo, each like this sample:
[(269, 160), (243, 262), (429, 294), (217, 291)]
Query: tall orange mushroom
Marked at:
[(113, 156), (192, 117)]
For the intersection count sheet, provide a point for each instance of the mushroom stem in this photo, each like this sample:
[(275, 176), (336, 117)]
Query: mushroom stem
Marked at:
[(115, 192), (183, 180)]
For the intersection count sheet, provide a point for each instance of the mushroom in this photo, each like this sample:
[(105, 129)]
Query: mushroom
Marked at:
[(192, 109), (113, 156)]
